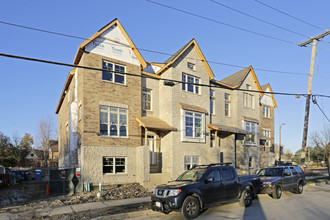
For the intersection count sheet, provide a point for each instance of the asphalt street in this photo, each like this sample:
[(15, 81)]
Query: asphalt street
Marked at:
[(312, 204)]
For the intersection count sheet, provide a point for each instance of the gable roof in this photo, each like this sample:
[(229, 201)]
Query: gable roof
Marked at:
[(235, 80), (175, 56), (64, 91), (264, 88), (115, 22)]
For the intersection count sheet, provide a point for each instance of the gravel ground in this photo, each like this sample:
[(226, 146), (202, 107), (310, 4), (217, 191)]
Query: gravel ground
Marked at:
[(112, 192)]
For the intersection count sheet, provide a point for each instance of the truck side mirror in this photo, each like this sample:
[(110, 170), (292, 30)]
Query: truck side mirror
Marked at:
[(210, 179)]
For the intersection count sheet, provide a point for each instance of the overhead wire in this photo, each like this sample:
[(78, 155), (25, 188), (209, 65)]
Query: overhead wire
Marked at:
[(141, 49), (258, 19), (282, 12), (315, 102), (145, 76), (219, 22)]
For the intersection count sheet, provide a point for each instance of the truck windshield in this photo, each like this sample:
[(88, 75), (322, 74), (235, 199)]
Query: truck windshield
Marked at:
[(191, 175), (271, 172)]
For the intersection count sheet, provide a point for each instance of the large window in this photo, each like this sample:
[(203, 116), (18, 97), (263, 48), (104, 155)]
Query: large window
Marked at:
[(266, 133), (114, 165), (113, 121), (116, 77), (212, 102), (194, 126), (251, 129), (190, 161), (248, 100), (146, 99), (190, 87), (265, 111), (227, 104)]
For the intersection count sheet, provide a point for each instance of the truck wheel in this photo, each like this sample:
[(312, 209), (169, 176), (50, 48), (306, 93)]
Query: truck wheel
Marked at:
[(246, 197), (277, 192), (190, 207), (299, 188)]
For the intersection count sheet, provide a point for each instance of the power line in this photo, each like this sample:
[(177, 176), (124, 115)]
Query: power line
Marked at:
[(258, 19), (145, 76), (219, 22), (141, 49), (315, 102), (289, 15)]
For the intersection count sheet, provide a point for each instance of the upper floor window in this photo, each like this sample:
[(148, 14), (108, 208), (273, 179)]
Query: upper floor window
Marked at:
[(248, 87), (248, 100), (212, 102), (250, 137), (113, 121), (227, 104), (191, 66), (146, 99), (265, 111), (193, 126), (115, 76), (266, 134), (190, 87)]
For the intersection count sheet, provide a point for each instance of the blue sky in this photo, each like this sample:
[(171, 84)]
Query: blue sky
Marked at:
[(30, 91)]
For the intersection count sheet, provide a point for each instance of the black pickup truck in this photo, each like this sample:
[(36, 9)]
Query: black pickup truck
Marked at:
[(203, 186), (274, 180)]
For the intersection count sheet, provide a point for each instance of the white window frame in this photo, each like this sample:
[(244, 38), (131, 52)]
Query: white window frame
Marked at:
[(145, 93), (266, 133), (106, 66), (190, 161), (114, 165), (265, 111), (248, 100), (249, 126), (120, 113), (188, 87), (195, 115), (227, 104), (191, 66), (212, 102)]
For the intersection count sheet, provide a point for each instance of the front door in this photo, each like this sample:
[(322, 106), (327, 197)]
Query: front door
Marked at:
[(154, 154), (213, 189)]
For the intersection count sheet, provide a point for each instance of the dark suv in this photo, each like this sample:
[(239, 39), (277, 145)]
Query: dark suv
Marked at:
[(274, 180)]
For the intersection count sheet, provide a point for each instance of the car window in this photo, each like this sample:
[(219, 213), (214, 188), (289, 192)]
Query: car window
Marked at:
[(287, 170), (227, 173), (293, 170), (192, 175), (299, 170), (215, 174), (270, 172)]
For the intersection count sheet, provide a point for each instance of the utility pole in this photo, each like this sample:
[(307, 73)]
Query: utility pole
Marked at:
[(309, 90)]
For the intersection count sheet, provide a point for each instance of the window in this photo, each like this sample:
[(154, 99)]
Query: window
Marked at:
[(294, 171), (227, 173), (212, 102), (251, 162), (113, 121), (227, 104), (251, 132), (299, 170), (248, 87), (266, 133), (266, 112), (115, 77), (214, 174), (146, 99), (193, 125), (114, 165), (190, 87), (248, 100), (190, 161), (191, 66)]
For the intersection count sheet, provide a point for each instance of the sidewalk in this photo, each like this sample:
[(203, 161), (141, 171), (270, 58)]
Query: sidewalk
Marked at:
[(119, 206)]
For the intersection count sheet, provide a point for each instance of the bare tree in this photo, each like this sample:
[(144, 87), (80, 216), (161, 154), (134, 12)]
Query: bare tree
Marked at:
[(322, 139), (45, 133), (17, 144)]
